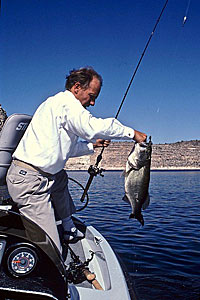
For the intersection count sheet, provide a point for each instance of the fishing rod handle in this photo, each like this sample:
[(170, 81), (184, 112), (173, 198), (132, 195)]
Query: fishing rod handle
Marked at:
[(91, 277), (87, 187)]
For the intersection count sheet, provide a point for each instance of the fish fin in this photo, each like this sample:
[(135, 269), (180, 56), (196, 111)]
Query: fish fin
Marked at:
[(146, 202), (139, 217), (125, 198)]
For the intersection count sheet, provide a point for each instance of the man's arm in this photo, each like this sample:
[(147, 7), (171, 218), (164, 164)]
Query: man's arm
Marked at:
[(138, 137)]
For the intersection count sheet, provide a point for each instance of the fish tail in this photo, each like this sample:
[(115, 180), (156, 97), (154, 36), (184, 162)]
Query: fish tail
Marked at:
[(139, 217)]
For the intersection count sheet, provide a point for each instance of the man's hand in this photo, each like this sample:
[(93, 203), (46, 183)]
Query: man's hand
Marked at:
[(101, 143), (140, 136)]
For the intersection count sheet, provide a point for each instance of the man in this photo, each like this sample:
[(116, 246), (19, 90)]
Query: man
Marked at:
[(36, 179)]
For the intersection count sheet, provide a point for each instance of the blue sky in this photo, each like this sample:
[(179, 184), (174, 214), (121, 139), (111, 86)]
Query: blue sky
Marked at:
[(41, 40)]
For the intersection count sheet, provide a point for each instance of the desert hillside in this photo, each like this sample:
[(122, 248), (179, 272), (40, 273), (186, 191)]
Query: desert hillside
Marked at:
[(180, 155)]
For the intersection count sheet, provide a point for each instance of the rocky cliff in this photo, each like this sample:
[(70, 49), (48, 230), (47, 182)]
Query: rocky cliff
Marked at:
[(180, 155)]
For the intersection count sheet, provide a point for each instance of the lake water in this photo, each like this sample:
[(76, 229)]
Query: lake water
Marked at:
[(163, 257)]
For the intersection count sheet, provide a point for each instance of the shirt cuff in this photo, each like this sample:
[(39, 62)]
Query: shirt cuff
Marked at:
[(90, 147), (129, 132)]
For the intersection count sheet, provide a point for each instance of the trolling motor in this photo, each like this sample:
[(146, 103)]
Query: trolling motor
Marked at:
[(78, 271)]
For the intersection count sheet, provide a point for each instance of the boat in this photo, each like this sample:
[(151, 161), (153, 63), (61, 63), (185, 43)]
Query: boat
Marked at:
[(32, 267)]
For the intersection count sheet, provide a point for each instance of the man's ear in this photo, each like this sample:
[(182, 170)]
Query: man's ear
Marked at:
[(77, 87)]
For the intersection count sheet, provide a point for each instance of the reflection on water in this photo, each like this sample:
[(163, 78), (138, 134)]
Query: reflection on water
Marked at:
[(163, 257)]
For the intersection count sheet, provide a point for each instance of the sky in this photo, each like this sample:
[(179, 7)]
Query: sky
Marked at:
[(42, 40)]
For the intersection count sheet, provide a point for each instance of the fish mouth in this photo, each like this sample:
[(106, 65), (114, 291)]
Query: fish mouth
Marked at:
[(138, 217)]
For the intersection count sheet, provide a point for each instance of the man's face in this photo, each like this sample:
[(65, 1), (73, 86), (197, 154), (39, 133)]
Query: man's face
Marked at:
[(87, 96)]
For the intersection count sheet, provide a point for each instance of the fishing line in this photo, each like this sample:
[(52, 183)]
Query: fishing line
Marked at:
[(134, 73), (186, 13), (180, 34), (140, 60), (94, 170)]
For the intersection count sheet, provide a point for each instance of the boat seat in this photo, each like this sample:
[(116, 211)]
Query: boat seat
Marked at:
[(10, 135)]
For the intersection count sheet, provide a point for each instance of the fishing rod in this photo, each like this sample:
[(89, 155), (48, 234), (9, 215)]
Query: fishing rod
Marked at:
[(94, 170)]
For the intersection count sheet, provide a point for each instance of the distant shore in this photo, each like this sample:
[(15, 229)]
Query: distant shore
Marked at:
[(176, 168), (179, 156), (153, 170)]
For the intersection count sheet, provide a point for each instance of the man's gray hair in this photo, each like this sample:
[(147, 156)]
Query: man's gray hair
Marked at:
[(83, 75)]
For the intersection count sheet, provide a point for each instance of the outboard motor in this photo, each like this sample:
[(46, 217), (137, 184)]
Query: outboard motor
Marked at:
[(10, 135), (31, 266)]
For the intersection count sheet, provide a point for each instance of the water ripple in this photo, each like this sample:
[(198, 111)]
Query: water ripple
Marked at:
[(163, 256)]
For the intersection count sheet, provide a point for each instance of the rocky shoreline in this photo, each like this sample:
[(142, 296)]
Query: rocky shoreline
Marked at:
[(184, 155)]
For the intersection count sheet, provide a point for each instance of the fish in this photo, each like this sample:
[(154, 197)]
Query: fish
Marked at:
[(137, 179)]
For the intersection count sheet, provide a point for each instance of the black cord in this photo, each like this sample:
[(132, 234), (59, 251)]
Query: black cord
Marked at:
[(86, 194)]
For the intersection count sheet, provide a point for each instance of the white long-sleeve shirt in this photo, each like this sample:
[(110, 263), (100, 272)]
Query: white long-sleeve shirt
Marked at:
[(52, 136)]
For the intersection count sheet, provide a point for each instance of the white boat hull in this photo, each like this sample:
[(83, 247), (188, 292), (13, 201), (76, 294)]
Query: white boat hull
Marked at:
[(106, 267)]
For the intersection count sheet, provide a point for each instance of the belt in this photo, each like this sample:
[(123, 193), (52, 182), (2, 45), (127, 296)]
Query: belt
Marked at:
[(29, 167)]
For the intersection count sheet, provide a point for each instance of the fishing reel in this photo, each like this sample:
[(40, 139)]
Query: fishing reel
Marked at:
[(77, 268), (94, 171)]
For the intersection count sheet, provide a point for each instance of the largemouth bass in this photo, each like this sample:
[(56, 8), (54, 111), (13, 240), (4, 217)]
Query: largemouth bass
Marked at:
[(137, 177)]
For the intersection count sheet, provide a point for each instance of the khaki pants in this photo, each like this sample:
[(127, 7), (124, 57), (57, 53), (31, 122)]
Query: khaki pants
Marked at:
[(42, 199)]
